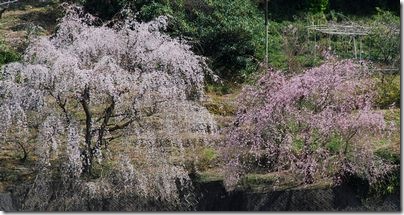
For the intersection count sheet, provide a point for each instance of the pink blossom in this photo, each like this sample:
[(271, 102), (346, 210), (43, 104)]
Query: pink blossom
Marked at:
[(292, 120)]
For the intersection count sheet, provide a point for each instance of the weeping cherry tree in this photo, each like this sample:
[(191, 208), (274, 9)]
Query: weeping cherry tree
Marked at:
[(90, 86), (315, 125)]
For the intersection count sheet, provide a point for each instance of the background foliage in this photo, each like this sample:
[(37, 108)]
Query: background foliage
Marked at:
[(7, 54)]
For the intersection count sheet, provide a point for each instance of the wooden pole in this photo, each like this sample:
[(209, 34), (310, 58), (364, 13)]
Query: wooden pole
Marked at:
[(354, 44), (308, 38), (329, 43), (315, 42), (360, 48), (266, 34)]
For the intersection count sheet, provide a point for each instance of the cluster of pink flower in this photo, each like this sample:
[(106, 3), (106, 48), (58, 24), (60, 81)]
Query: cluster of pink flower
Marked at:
[(308, 123)]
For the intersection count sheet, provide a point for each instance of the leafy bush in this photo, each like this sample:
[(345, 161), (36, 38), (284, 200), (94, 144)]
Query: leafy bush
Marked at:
[(388, 185), (229, 32), (288, 9), (7, 55), (206, 159), (387, 154), (384, 40), (296, 47), (317, 6), (389, 93), (364, 7)]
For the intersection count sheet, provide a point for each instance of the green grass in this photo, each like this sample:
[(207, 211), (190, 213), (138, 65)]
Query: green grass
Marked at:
[(7, 54), (277, 181), (335, 145), (209, 176)]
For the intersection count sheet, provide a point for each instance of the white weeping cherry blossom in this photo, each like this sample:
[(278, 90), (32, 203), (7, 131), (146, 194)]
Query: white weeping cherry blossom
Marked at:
[(88, 87)]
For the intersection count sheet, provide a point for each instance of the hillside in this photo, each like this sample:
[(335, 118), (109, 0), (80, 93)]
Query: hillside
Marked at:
[(169, 105)]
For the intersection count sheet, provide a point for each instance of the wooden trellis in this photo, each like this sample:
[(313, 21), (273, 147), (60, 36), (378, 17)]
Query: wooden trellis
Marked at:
[(385, 70), (4, 5), (7, 2), (353, 31), (338, 29)]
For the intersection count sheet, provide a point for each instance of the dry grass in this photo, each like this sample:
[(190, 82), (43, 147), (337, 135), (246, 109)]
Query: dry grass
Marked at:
[(12, 170), (18, 20)]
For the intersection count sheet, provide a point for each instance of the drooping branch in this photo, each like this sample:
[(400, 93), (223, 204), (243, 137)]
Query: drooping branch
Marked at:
[(25, 152), (121, 126), (62, 105), (348, 140)]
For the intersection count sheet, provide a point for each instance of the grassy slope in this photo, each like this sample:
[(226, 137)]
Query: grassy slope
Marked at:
[(19, 20)]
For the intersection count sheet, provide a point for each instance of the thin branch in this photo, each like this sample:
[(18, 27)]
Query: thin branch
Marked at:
[(25, 155), (121, 126)]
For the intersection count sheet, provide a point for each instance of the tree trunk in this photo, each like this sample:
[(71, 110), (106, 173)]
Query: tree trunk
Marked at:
[(88, 153), (107, 115), (2, 11)]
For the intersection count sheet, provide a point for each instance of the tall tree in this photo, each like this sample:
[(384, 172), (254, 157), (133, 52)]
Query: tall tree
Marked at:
[(88, 87)]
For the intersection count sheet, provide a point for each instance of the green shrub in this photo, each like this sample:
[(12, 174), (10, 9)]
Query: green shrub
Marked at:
[(219, 88), (388, 89), (229, 32), (383, 43), (335, 144), (385, 186), (364, 7), (288, 9), (317, 6), (393, 115), (8, 55), (104, 9), (206, 159), (388, 155)]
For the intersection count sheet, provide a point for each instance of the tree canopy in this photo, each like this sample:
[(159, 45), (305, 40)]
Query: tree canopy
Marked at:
[(88, 87)]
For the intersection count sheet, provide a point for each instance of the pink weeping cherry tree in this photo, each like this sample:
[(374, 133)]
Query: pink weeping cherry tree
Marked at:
[(90, 86), (313, 124)]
